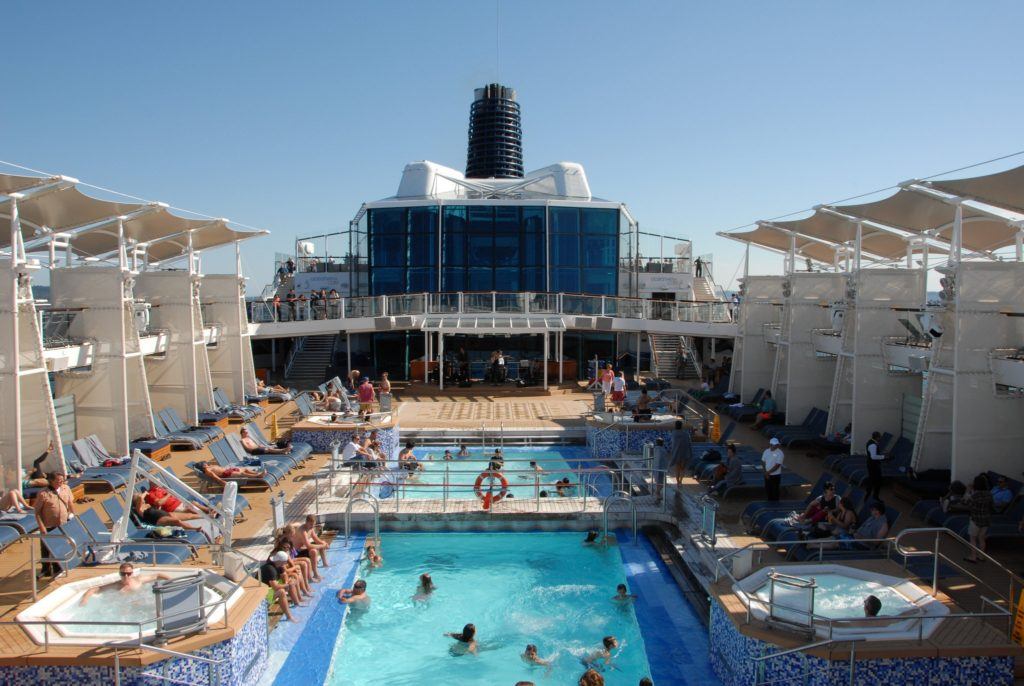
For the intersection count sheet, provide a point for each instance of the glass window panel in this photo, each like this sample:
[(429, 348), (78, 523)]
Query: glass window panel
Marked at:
[(455, 218), (506, 250), (387, 281), (599, 281), (565, 220), (388, 250), (533, 279), (601, 221), (454, 280), (423, 248), (506, 219), (389, 220), (533, 219), (481, 219), (565, 280), (481, 279), (422, 279), (599, 251), (506, 279), (454, 249), (565, 250), (480, 252), (532, 252)]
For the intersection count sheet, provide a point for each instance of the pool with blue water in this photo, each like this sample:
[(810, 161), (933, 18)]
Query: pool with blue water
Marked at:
[(555, 463), (542, 588)]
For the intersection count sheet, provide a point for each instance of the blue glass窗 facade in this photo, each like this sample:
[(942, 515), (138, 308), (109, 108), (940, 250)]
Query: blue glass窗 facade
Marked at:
[(499, 247)]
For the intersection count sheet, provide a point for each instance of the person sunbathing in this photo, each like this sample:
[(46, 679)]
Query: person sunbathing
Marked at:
[(254, 448), (221, 475), (154, 516), (12, 501), (157, 496)]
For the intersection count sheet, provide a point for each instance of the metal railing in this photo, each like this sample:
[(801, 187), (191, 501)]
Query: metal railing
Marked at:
[(760, 663), (493, 302), (214, 667), (55, 324)]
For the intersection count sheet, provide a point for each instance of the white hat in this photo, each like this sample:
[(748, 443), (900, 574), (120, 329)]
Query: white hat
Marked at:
[(774, 441), (280, 557)]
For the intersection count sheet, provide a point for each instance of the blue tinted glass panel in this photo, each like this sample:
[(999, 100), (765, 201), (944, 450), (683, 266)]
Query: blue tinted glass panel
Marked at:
[(533, 279), (481, 219), (506, 219), (480, 252), (599, 251), (506, 279), (565, 280), (422, 279), (390, 220), (533, 219), (422, 249), (388, 250), (506, 250), (601, 221), (481, 279), (455, 218), (454, 249), (532, 252), (454, 280), (599, 281), (387, 281), (565, 220), (565, 250)]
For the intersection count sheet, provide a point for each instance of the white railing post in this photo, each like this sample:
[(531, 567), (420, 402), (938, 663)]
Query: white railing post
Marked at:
[(604, 309), (494, 302)]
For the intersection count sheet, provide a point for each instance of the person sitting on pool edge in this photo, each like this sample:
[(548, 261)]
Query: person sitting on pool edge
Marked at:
[(872, 606), (602, 655), (466, 640), (272, 573), (355, 596)]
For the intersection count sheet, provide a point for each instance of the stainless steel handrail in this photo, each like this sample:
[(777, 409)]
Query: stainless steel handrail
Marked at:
[(374, 503)]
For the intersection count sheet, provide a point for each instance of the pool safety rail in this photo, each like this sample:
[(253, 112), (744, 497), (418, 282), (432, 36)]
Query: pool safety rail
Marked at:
[(214, 668), (994, 610), (761, 663)]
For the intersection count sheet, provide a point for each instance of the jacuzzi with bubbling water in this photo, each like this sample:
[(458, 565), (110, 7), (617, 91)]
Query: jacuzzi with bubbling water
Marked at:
[(62, 609), (908, 611)]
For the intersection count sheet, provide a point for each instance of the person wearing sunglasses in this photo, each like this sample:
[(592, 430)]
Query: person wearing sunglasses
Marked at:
[(127, 581)]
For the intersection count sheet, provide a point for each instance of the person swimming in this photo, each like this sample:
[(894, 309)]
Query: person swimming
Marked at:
[(603, 655), (463, 450), (373, 557), (623, 595), (530, 656), (591, 538), (355, 596), (465, 641), (447, 455), (424, 589)]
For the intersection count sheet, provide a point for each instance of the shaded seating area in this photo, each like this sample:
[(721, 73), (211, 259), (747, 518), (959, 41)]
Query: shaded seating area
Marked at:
[(808, 431)]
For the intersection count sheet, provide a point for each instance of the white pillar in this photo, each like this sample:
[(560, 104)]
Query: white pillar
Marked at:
[(637, 355), (910, 255), (15, 348), (426, 357), (792, 253), (546, 344), (958, 233), (440, 360), (924, 270), (561, 355), (1019, 241), (857, 245), (348, 352)]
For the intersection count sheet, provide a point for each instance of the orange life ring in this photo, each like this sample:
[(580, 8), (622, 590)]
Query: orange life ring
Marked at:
[(491, 474)]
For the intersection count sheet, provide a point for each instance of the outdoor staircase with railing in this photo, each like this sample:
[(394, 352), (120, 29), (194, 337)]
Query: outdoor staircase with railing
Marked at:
[(307, 369), (704, 289), (675, 357)]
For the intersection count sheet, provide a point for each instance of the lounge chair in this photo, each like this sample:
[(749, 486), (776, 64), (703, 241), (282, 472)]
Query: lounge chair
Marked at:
[(174, 422), (746, 410), (836, 462), (182, 439), (238, 412), (115, 509), (166, 552), (237, 456), (756, 514), (8, 535), (300, 449)]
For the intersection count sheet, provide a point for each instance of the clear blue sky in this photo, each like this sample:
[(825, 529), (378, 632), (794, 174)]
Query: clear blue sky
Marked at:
[(701, 117)]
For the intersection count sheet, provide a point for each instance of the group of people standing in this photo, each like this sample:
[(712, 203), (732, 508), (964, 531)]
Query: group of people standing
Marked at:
[(319, 304)]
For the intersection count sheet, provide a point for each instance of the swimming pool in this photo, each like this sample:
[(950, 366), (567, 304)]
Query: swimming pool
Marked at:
[(556, 462), (542, 588)]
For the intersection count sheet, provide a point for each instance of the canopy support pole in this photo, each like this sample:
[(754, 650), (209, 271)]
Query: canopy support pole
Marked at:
[(924, 272), (910, 255), (958, 232), (440, 360), (857, 246), (426, 357), (1019, 243), (561, 355)]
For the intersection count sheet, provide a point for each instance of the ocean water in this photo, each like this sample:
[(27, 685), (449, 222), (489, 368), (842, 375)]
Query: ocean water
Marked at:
[(541, 588), (556, 463)]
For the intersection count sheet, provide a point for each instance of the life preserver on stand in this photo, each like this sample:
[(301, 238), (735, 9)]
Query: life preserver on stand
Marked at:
[(490, 474)]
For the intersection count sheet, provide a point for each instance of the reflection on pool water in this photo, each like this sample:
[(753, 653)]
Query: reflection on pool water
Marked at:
[(557, 463), (542, 588)]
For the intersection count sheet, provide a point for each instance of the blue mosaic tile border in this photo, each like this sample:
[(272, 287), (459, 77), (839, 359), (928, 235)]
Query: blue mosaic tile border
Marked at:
[(321, 439), (605, 444), (732, 656)]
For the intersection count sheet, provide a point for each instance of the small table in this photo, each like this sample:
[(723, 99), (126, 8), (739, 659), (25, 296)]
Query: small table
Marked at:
[(78, 492)]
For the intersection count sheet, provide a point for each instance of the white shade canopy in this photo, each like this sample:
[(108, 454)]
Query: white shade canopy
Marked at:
[(1002, 189), (779, 240), (211, 234), (888, 245), (12, 183), (61, 209)]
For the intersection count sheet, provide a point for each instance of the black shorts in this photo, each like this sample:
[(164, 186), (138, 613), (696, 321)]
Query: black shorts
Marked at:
[(302, 553)]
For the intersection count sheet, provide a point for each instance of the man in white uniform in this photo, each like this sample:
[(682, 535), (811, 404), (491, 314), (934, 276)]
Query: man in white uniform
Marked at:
[(772, 460)]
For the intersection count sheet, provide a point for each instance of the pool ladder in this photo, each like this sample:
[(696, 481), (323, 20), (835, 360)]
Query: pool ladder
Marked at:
[(374, 504), (611, 501)]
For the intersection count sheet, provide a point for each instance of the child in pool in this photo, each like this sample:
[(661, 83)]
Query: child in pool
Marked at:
[(424, 589), (530, 656), (622, 595), (465, 641), (603, 655), (374, 557)]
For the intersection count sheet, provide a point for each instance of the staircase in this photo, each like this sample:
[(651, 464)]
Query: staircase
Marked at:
[(307, 369), (675, 357), (704, 289)]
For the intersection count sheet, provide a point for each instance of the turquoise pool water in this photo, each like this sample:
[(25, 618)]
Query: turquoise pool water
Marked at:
[(556, 463), (542, 588)]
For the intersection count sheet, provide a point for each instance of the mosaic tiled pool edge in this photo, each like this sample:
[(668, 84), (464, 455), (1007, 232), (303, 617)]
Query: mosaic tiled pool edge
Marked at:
[(674, 657), (732, 657), (244, 656), (296, 655), (321, 439)]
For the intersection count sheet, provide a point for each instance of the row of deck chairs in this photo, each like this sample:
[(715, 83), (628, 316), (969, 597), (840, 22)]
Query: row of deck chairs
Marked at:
[(770, 521), (1004, 525), (231, 453)]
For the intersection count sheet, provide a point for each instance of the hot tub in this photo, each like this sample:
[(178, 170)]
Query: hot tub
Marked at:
[(64, 604), (908, 611)]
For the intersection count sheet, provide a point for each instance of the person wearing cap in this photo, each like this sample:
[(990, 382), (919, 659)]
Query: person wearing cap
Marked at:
[(772, 460), (272, 573)]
